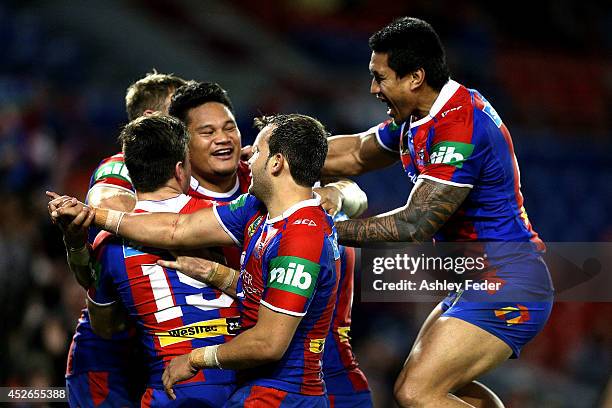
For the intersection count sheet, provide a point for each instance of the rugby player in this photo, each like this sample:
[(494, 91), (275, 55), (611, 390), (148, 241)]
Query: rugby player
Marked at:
[(97, 369), (289, 267), (208, 114), (459, 155), (174, 313)]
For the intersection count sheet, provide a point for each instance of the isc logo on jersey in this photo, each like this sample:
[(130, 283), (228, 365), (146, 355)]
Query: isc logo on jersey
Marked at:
[(452, 153), (293, 274)]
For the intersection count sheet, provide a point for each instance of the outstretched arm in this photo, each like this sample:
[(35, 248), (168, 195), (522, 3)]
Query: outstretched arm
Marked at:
[(429, 206), (352, 155), (160, 230)]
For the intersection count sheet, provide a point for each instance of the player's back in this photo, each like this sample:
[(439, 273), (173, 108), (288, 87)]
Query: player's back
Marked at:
[(343, 378), (173, 312)]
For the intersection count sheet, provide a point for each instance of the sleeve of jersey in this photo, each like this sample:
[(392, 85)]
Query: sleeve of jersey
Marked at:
[(234, 216), (455, 155), (112, 173), (293, 273), (388, 135), (103, 292)]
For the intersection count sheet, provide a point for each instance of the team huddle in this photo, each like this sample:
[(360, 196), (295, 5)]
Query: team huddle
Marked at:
[(217, 282)]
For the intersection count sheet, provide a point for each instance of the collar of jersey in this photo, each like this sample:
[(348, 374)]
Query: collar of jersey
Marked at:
[(447, 91), (313, 202), (173, 204), (195, 184)]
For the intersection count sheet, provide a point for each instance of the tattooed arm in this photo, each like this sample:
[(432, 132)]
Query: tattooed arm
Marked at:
[(429, 206)]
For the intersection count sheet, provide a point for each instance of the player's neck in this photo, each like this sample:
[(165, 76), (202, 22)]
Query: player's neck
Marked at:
[(162, 193), (426, 100), (218, 184), (285, 196)]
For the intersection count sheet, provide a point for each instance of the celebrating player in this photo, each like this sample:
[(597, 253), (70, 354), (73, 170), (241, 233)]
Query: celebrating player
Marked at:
[(289, 267), (459, 154), (97, 368), (174, 313)]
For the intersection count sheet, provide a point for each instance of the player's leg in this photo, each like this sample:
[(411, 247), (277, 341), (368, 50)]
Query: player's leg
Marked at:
[(479, 396), (450, 354), (474, 393)]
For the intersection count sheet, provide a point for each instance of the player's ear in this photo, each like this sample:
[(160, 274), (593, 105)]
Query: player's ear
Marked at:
[(276, 164), (182, 172), (415, 78)]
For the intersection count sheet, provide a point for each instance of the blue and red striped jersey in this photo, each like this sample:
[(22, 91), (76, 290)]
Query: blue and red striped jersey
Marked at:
[(243, 181), (340, 369), (289, 266), (463, 142), (89, 352), (173, 313)]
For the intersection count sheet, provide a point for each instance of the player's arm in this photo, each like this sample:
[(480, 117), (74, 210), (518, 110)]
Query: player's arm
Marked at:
[(111, 197), (265, 343), (75, 240), (429, 206), (343, 195), (352, 155), (107, 319), (207, 271), (160, 230)]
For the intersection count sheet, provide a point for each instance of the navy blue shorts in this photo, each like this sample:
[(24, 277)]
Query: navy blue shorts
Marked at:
[(515, 312), (255, 396), (206, 396), (98, 389), (357, 400)]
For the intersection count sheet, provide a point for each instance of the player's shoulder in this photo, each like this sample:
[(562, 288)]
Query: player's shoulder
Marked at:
[(456, 105), (104, 240)]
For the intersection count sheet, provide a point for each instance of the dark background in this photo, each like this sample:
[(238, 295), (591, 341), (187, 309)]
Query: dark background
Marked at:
[(64, 68)]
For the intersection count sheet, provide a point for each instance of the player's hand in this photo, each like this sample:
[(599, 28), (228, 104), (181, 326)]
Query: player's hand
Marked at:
[(75, 231), (63, 208), (195, 267), (331, 199), (246, 152), (178, 370)]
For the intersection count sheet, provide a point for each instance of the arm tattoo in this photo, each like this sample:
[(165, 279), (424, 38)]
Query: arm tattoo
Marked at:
[(430, 205)]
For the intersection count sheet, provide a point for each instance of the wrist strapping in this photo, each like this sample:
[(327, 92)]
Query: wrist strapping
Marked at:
[(79, 257), (204, 357), (229, 274), (113, 221), (354, 199)]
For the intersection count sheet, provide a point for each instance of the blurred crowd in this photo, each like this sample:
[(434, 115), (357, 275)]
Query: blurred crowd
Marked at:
[(57, 122)]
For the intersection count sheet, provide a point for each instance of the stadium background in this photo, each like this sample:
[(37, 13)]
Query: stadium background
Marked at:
[(64, 68)]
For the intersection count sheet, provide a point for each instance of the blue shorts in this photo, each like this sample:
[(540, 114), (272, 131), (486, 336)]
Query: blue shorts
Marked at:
[(516, 312), (197, 395), (255, 396), (99, 389), (358, 400)]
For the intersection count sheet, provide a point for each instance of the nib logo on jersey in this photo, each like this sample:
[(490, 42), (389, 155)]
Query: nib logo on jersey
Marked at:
[(452, 153), (293, 274)]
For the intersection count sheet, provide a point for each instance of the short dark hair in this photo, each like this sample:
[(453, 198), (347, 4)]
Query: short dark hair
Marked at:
[(152, 145), (302, 140), (410, 44), (194, 94), (150, 93)]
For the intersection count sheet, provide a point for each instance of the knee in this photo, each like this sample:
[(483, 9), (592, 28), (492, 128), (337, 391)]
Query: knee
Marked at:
[(409, 393)]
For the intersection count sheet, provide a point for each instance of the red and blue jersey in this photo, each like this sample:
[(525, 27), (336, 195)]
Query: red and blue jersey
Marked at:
[(174, 313), (340, 369), (89, 352), (243, 181), (463, 142), (289, 266), (110, 172)]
